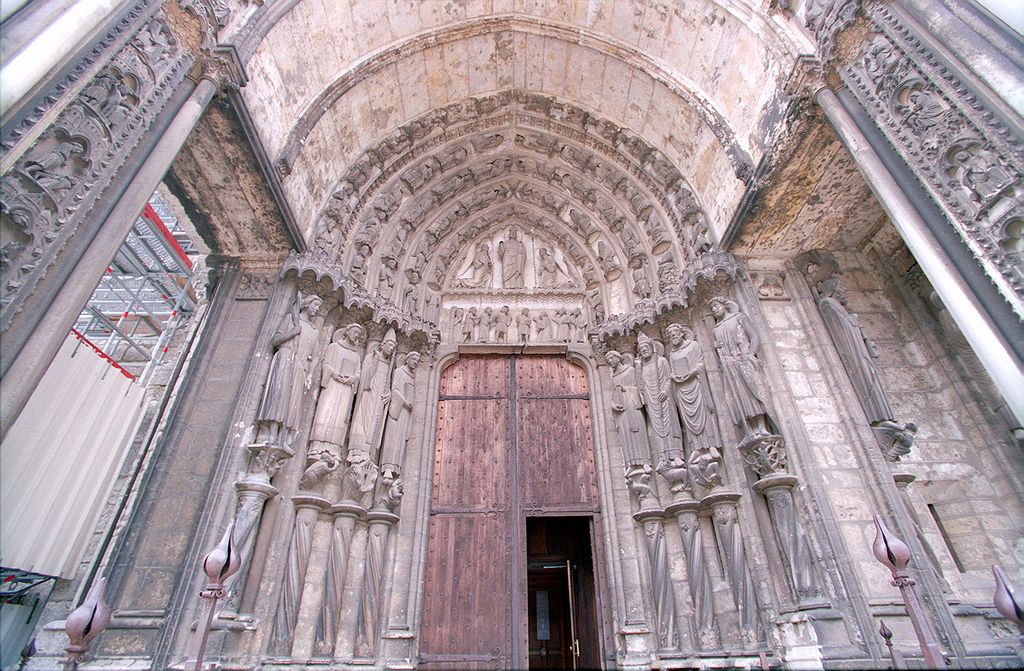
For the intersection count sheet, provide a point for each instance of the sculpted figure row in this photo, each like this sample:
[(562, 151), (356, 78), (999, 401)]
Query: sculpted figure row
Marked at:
[(503, 325), (663, 406), (364, 403)]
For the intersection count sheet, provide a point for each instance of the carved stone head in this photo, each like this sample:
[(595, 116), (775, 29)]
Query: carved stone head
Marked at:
[(613, 358), (310, 305), (389, 343), (644, 346), (353, 334), (412, 360), (722, 306)]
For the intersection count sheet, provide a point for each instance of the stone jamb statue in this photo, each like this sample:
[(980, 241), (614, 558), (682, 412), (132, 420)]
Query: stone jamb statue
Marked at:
[(403, 395), (737, 343), (367, 425), (339, 380), (290, 371), (693, 402), (655, 380), (858, 355), (627, 409)]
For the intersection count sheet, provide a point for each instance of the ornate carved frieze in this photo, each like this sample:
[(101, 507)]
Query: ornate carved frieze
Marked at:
[(154, 37), (255, 286), (703, 270), (970, 162), (546, 129), (53, 186)]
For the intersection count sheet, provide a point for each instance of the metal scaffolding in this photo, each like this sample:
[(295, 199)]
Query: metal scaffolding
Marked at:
[(144, 296)]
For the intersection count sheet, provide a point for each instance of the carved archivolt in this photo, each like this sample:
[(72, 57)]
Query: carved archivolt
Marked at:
[(971, 162), (52, 187), (605, 222)]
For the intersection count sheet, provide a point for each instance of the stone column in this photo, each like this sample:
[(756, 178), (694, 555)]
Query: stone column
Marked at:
[(345, 643), (701, 588), (934, 566), (767, 457), (652, 524), (345, 515), (380, 523), (307, 509), (252, 496), (725, 513)]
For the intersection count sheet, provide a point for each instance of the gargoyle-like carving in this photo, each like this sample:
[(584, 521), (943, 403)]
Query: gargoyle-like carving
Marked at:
[(319, 465)]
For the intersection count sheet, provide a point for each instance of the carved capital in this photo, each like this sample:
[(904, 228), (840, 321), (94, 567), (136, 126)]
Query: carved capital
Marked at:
[(265, 460), (766, 455)]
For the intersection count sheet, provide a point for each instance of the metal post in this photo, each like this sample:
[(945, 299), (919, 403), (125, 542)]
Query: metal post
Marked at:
[(895, 655), (85, 623), (219, 565), (895, 555), (1006, 600)]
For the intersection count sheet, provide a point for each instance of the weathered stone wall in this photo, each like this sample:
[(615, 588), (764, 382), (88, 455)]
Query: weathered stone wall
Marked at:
[(154, 558), (965, 466)]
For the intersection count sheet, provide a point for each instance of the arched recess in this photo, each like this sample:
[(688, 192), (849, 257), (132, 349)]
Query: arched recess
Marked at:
[(588, 196), (701, 80)]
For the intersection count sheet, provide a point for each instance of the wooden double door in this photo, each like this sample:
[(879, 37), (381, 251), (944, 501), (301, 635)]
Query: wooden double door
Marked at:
[(514, 445)]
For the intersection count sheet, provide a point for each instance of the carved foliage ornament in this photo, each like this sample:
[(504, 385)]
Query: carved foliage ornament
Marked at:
[(825, 19), (51, 189)]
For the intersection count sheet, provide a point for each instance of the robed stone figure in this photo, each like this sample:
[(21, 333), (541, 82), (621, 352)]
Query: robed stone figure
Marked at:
[(372, 400), (291, 370), (655, 378), (691, 397), (856, 351), (627, 407), (737, 342), (512, 253), (339, 380), (396, 430)]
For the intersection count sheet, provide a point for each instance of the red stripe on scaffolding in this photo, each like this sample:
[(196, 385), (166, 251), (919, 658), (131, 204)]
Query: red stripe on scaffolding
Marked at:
[(149, 213), (105, 357)]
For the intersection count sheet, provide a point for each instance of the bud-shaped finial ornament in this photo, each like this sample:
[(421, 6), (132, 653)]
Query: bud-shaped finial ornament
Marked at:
[(888, 549), (88, 620), (223, 561), (1006, 600)]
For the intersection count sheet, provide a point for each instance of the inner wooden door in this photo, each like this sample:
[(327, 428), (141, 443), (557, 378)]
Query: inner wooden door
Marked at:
[(514, 439)]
